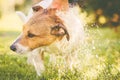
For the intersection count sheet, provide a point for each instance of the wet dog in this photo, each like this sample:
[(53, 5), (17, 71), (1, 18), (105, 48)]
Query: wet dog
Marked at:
[(57, 25)]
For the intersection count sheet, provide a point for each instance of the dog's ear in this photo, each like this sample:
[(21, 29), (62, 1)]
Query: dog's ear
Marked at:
[(60, 30), (22, 16), (60, 5), (36, 8)]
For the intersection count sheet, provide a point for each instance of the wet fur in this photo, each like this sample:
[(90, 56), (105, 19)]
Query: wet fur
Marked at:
[(66, 44)]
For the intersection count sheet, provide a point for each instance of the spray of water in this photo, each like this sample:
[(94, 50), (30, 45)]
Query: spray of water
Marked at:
[(78, 52)]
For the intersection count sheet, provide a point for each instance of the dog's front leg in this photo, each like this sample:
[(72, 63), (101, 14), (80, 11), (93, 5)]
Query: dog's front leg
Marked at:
[(36, 59)]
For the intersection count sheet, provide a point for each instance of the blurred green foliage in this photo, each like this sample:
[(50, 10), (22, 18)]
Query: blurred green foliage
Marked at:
[(105, 10), (109, 7), (24, 7)]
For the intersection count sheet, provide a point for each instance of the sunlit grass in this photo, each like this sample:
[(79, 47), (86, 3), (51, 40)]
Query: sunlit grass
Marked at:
[(99, 59)]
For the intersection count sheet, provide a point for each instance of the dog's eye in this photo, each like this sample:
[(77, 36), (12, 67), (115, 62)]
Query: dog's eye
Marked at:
[(30, 35)]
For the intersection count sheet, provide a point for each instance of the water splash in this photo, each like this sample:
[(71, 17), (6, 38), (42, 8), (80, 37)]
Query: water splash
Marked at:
[(78, 53)]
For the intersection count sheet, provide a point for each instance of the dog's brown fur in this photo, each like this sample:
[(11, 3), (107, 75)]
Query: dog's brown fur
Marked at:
[(60, 4), (43, 29)]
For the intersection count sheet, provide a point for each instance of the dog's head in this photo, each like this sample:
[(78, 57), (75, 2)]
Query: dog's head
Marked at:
[(42, 29)]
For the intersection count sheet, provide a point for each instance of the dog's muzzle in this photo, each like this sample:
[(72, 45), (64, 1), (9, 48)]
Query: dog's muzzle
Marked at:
[(18, 48)]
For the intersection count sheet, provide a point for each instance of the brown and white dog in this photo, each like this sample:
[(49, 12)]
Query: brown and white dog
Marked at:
[(53, 25)]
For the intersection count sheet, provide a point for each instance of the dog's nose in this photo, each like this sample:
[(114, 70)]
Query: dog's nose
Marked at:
[(13, 48)]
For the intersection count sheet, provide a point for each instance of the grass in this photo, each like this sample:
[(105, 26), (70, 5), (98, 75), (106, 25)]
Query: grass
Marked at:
[(99, 59)]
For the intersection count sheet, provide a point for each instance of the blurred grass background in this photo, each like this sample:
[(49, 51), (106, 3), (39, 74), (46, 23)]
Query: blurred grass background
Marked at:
[(99, 57)]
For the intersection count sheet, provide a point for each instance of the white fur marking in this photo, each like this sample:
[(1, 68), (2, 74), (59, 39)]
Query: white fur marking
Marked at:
[(21, 48), (35, 59)]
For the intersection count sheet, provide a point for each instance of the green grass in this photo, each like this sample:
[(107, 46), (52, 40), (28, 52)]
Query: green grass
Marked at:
[(99, 59)]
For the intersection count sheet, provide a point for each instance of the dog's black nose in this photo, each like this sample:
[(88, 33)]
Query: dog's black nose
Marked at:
[(13, 48)]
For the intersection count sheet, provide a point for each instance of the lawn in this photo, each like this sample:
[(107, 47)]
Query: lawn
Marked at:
[(99, 59)]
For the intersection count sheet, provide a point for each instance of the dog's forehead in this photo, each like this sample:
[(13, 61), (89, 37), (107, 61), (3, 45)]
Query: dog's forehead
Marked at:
[(46, 16), (44, 12), (41, 20)]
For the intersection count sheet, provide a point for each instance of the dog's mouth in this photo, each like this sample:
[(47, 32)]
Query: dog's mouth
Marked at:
[(18, 48)]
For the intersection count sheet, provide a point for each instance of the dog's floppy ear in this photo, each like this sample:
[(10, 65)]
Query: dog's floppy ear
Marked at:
[(60, 30), (21, 16), (60, 5), (36, 8)]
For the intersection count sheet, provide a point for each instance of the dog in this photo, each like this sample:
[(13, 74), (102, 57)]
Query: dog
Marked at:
[(53, 26)]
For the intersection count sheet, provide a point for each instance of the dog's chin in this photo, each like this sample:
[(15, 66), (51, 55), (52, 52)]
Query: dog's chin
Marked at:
[(27, 51), (22, 51)]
